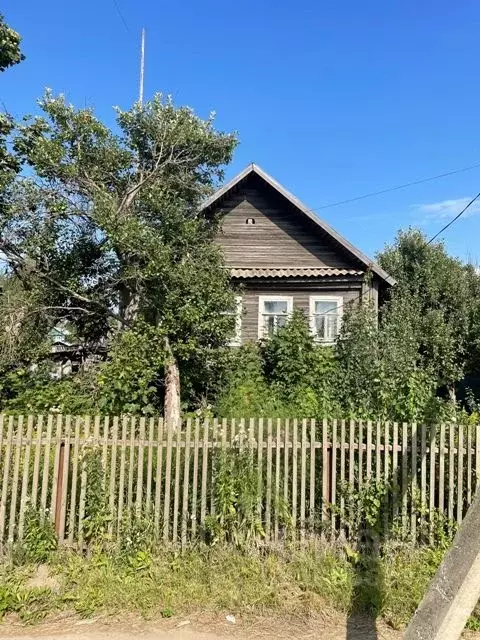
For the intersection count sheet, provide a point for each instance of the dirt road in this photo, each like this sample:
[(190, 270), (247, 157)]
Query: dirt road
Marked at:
[(206, 628), (199, 628)]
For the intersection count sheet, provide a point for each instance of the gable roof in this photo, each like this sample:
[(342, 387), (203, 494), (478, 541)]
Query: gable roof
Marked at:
[(302, 209)]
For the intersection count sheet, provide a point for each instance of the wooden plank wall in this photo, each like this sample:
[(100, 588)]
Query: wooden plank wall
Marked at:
[(309, 478)]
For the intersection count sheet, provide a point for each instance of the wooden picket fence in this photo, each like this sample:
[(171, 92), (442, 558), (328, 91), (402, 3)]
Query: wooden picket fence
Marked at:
[(316, 471)]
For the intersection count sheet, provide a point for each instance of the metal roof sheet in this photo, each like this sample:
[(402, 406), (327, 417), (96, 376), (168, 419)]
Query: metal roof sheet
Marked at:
[(293, 272)]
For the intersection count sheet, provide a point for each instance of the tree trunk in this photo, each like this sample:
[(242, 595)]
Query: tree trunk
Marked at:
[(452, 395), (172, 389), (129, 305)]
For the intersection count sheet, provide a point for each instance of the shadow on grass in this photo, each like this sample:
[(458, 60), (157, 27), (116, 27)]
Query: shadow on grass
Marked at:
[(367, 591)]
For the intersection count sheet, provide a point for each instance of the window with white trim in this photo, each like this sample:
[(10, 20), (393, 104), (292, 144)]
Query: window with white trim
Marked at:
[(236, 339), (273, 313), (326, 317)]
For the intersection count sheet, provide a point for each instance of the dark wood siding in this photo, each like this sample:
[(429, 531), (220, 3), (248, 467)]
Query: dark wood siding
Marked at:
[(301, 300), (280, 237)]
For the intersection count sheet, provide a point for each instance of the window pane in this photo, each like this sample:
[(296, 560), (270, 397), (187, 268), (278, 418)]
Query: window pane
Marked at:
[(275, 306), (281, 321), (269, 325), (326, 306), (320, 326)]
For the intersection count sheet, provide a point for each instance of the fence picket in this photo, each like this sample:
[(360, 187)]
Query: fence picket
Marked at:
[(113, 471), (64, 481), (203, 491), (260, 466), (286, 453), (395, 478), (25, 478), (325, 471), (176, 494), (121, 480), (378, 453), (369, 450), (441, 470), (214, 448), (277, 480), (342, 472), (56, 466), (46, 466), (36, 460), (333, 472), (106, 427), (83, 486), (312, 475), (139, 492), (477, 456), (469, 464), (413, 482), (148, 494), (460, 474), (16, 471), (195, 477), (6, 478), (294, 474), (158, 479), (268, 491), (451, 471), (404, 476), (386, 472), (168, 481), (73, 489), (186, 482), (423, 471), (131, 468)]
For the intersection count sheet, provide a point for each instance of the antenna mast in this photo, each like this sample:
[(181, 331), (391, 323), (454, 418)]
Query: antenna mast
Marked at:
[(142, 68)]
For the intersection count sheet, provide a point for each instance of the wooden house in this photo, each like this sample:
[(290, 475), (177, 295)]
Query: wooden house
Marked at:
[(284, 256)]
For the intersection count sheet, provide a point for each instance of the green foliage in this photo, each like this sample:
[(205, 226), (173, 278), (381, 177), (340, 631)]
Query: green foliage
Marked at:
[(407, 573), (36, 391), (441, 295), (39, 538), (302, 373), (237, 501), (10, 53), (364, 509), (105, 232), (129, 381), (97, 514)]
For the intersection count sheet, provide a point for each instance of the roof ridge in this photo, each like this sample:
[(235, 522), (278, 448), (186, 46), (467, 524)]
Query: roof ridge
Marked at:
[(300, 206)]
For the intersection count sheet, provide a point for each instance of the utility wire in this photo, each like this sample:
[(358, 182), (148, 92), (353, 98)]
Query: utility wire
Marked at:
[(396, 188), (449, 224), (122, 17)]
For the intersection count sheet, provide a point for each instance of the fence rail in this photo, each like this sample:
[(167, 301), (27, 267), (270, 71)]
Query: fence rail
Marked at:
[(312, 478)]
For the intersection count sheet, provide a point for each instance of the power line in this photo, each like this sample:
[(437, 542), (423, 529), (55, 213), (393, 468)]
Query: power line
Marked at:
[(396, 188), (449, 224), (122, 17)]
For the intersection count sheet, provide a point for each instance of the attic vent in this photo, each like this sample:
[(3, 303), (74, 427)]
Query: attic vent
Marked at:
[(250, 221)]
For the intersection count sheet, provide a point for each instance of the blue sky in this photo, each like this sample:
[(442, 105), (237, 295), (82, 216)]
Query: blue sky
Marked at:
[(334, 99)]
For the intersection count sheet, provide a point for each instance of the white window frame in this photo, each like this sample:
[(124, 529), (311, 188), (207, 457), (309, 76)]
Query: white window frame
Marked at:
[(325, 298), (261, 301), (236, 340)]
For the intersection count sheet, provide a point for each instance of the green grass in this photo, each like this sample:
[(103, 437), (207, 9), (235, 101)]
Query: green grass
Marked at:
[(219, 579)]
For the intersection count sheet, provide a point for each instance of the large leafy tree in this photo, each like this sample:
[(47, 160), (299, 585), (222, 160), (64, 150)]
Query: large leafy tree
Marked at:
[(10, 53), (106, 230), (441, 306)]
